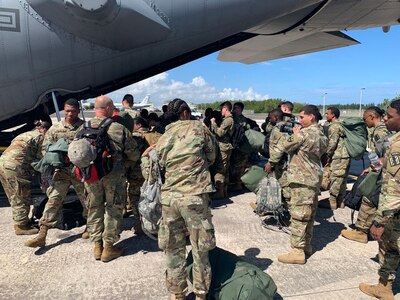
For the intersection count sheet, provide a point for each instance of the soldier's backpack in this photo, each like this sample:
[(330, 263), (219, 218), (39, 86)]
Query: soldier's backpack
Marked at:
[(150, 198), (356, 137), (91, 153), (269, 197), (252, 141), (234, 279)]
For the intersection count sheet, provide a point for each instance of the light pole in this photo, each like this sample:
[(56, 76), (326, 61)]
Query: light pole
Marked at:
[(361, 94), (323, 103)]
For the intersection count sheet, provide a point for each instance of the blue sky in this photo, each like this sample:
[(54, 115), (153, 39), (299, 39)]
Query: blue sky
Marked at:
[(341, 73)]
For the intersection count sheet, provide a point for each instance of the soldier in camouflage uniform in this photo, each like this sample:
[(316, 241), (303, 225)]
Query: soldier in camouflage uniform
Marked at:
[(144, 138), (106, 196), (16, 173), (63, 178), (238, 163), (278, 159), (386, 223), (338, 159), (373, 118), (185, 152), (305, 147), (223, 134), (126, 116)]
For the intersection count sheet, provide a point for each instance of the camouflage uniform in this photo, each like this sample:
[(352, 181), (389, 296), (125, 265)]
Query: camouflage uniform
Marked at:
[(134, 176), (106, 197), (278, 158), (16, 172), (388, 212), (63, 178), (304, 175), (126, 117), (367, 209), (223, 134), (238, 161), (185, 152), (339, 160)]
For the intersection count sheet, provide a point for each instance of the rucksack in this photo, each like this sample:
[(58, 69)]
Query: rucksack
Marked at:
[(252, 141), (234, 279), (150, 198), (91, 153), (269, 197), (356, 137), (252, 178)]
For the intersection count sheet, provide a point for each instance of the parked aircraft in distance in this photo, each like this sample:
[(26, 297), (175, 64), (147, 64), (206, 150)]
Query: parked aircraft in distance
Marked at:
[(145, 103), (51, 50)]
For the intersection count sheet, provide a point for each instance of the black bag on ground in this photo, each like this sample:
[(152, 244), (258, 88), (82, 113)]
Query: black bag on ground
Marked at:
[(235, 279), (354, 197), (70, 215)]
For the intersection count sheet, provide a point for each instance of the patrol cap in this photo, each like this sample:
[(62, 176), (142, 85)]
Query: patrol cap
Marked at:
[(81, 153)]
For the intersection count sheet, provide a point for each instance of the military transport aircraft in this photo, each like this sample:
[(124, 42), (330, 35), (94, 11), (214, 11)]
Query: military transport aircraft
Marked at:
[(51, 50)]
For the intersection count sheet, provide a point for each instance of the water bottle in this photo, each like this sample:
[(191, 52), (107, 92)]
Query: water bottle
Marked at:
[(374, 159)]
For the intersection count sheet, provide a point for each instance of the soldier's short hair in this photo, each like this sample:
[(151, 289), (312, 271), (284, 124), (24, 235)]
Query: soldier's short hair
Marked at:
[(72, 102), (278, 113), (396, 105), (288, 104), (42, 124), (153, 117), (312, 110), (240, 104), (128, 98), (227, 104), (335, 111), (141, 121)]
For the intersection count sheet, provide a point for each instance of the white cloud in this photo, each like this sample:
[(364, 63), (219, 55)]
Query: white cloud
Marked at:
[(198, 90)]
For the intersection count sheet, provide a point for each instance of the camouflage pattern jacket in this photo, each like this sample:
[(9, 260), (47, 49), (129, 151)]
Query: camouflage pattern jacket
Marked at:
[(23, 150), (185, 152), (389, 199), (277, 156), (336, 147), (126, 117), (376, 133), (224, 133), (305, 150), (122, 143)]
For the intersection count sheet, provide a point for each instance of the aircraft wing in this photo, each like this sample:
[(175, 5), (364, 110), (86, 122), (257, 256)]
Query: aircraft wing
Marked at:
[(265, 47)]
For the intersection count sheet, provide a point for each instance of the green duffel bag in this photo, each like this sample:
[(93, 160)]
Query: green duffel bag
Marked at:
[(371, 185), (252, 141), (235, 279), (252, 178)]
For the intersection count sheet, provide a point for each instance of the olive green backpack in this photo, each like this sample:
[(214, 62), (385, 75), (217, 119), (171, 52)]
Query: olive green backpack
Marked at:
[(235, 279)]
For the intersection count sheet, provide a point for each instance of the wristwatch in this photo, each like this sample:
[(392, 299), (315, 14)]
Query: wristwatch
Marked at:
[(377, 225)]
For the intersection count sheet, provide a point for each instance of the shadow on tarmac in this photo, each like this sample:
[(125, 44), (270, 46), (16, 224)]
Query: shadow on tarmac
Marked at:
[(250, 256), (325, 232), (66, 240)]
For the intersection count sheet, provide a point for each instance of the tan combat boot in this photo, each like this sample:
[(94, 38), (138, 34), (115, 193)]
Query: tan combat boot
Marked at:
[(340, 202), (355, 235), (296, 256), (382, 290), (40, 239), (110, 252), (220, 193), (333, 202), (85, 234), (98, 249), (25, 229), (200, 297)]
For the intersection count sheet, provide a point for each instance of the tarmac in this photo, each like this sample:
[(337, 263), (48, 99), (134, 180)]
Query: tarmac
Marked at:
[(66, 269)]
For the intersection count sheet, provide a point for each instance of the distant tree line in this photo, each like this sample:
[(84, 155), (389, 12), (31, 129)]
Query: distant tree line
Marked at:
[(265, 106)]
